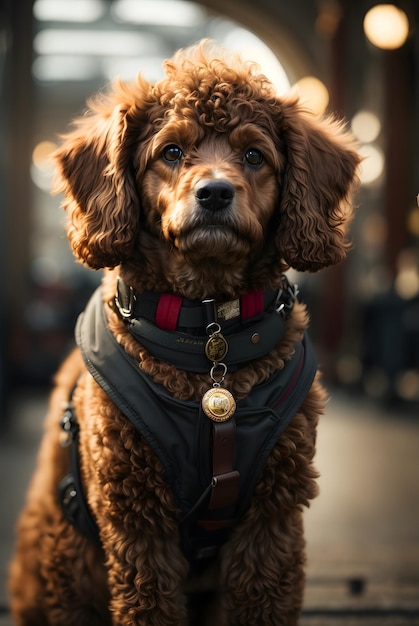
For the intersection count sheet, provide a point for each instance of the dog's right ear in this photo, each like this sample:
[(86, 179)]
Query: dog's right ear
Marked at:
[(95, 172)]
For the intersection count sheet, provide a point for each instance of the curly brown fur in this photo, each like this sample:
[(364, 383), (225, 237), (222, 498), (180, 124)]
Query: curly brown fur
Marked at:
[(133, 209)]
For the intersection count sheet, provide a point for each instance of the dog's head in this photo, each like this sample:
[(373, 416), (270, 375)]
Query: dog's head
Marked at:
[(213, 165)]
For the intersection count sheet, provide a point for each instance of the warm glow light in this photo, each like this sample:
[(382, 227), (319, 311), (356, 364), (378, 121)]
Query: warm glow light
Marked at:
[(407, 283), (312, 93), (366, 126), (372, 166), (407, 279), (386, 26), (42, 167), (41, 155), (413, 222), (407, 385)]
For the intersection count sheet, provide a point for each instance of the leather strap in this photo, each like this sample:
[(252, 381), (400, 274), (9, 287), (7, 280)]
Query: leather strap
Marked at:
[(213, 525), (225, 481), (71, 493)]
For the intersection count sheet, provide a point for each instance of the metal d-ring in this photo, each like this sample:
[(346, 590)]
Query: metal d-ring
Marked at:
[(217, 381), (213, 328)]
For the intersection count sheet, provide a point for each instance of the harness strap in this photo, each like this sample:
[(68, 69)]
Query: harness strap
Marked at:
[(71, 493), (225, 481)]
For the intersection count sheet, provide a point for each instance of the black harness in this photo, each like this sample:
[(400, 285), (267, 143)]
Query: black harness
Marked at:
[(211, 494)]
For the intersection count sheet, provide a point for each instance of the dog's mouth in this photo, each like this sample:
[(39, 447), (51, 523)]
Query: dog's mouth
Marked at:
[(212, 241)]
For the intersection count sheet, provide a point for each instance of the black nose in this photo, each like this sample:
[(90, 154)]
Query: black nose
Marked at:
[(214, 195)]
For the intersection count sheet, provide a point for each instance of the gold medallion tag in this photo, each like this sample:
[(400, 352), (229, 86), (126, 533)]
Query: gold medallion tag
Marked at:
[(216, 348), (218, 404)]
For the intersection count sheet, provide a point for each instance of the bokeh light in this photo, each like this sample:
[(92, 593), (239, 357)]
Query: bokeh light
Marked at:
[(407, 280), (386, 26), (372, 166), (413, 222), (312, 93), (366, 126), (42, 167), (407, 385)]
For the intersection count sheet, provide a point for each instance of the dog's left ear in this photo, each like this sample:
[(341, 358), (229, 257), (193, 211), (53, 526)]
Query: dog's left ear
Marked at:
[(317, 185), (94, 171)]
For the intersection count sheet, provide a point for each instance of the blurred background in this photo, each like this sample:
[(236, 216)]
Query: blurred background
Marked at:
[(355, 59), (358, 60)]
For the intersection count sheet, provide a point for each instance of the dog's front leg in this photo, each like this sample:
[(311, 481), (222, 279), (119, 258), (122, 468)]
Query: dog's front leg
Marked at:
[(263, 562), (145, 580), (263, 573), (137, 519)]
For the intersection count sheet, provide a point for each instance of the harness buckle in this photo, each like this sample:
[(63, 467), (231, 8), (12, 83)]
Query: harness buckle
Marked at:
[(287, 295), (69, 426), (124, 298)]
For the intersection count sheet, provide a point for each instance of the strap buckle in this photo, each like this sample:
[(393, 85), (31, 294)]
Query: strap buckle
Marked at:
[(124, 298), (69, 426), (287, 295)]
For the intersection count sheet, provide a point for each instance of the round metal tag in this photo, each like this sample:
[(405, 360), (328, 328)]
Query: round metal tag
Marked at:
[(216, 348), (218, 404)]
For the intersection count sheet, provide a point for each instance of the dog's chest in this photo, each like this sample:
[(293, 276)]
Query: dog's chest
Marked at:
[(212, 468)]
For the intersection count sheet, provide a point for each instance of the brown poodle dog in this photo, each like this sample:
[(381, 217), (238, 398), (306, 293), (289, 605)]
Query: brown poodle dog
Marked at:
[(196, 194)]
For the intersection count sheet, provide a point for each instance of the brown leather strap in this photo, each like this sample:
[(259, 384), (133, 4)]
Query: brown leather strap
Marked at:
[(213, 525), (225, 481)]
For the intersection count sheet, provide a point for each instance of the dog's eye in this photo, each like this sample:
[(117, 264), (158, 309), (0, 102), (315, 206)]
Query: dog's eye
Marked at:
[(172, 153), (254, 157)]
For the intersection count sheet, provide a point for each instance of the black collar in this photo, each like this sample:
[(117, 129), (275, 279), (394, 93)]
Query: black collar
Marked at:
[(173, 329), (172, 312)]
